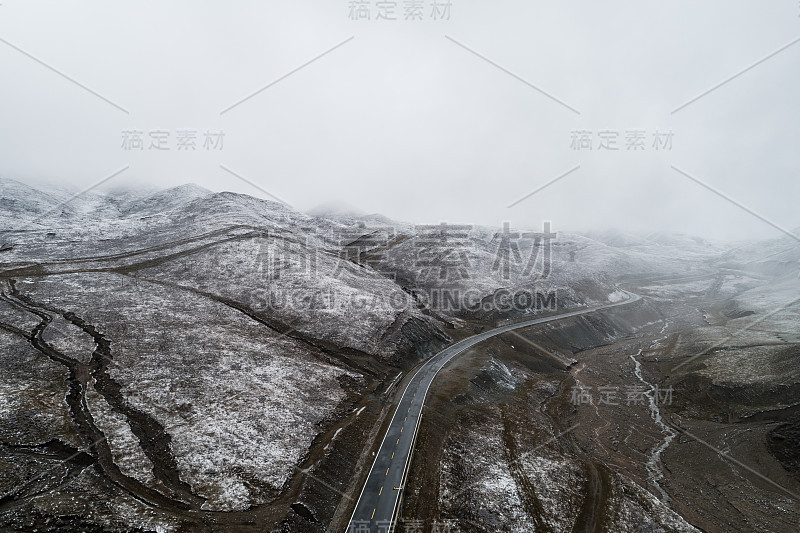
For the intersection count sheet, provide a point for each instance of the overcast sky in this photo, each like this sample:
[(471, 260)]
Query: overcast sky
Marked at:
[(406, 119)]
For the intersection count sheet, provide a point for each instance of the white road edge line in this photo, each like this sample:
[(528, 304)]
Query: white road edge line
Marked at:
[(466, 345)]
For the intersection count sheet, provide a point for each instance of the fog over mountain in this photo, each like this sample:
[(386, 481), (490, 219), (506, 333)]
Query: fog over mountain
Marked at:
[(451, 119), (229, 359), (370, 266)]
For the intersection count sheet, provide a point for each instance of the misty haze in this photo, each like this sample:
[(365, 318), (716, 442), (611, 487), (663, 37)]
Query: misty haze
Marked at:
[(413, 266)]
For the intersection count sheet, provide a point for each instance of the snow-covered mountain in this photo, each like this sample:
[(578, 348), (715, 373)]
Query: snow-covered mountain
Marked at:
[(216, 348)]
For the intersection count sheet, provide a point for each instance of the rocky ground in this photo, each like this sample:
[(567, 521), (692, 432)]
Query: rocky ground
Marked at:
[(191, 361), (639, 434)]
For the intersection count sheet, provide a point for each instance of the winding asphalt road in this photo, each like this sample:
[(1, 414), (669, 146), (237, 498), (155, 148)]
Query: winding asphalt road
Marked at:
[(378, 507)]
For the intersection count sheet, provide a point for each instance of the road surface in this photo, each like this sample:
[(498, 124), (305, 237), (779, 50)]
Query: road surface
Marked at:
[(378, 505)]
